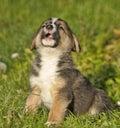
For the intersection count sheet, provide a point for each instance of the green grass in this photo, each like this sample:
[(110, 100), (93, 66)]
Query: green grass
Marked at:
[(97, 26)]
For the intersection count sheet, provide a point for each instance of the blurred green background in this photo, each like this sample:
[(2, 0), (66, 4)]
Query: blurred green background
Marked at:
[(97, 26)]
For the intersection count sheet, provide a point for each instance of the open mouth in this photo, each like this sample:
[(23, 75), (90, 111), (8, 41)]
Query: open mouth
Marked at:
[(48, 39), (49, 36)]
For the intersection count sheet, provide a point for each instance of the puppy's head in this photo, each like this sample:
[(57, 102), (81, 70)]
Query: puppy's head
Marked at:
[(55, 33)]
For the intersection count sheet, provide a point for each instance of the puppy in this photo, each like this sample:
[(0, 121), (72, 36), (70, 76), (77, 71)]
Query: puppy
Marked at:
[(55, 81)]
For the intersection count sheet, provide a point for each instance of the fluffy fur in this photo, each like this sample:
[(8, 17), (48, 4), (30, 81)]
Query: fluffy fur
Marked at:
[(55, 81)]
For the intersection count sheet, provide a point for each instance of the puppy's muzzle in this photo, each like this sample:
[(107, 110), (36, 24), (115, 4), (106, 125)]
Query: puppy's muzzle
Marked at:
[(50, 35), (49, 31)]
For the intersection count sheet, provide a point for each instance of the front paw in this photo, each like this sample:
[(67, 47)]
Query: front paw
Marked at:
[(49, 123), (52, 124)]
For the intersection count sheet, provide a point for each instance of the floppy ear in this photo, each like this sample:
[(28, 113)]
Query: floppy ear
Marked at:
[(32, 47), (76, 46), (33, 44)]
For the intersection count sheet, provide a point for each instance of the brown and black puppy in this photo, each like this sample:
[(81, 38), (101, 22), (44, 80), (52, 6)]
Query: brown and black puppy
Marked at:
[(55, 81)]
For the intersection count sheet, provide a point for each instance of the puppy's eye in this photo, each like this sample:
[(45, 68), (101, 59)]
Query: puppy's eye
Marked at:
[(61, 27), (43, 26)]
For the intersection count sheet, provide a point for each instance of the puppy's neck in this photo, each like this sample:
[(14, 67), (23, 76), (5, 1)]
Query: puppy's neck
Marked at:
[(47, 51), (62, 59)]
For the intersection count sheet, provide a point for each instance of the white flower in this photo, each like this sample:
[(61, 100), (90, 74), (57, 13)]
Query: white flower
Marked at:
[(3, 67), (118, 103), (15, 55)]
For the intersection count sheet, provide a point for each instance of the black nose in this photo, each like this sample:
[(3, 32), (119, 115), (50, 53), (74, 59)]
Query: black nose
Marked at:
[(49, 27)]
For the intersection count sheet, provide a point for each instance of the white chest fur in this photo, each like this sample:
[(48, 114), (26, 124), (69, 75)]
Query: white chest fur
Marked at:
[(47, 75)]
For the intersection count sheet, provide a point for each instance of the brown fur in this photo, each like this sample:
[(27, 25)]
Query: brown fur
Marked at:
[(55, 81), (34, 100)]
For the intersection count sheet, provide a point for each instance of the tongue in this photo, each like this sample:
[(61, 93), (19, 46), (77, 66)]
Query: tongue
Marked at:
[(49, 36)]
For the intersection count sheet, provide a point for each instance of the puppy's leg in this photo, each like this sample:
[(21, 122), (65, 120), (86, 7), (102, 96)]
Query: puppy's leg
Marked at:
[(33, 101), (58, 110)]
